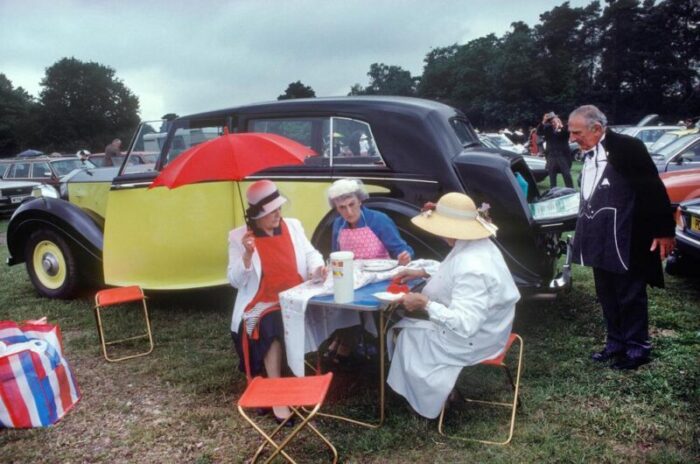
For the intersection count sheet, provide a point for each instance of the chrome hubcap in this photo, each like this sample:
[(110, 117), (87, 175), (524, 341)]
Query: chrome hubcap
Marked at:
[(50, 264)]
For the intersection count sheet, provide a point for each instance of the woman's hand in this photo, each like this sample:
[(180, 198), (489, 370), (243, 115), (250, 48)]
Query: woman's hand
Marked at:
[(405, 275), (414, 301), (248, 242), (404, 258), (319, 274)]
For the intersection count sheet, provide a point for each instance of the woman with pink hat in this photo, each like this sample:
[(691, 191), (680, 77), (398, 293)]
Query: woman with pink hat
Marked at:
[(266, 257), (467, 307)]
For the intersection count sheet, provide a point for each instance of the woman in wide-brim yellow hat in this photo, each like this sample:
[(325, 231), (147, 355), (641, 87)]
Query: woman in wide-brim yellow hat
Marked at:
[(469, 301)]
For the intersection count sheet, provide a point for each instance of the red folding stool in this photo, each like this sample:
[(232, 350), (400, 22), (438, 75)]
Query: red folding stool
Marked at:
[(116, 297), (293, 392), (498, 361)]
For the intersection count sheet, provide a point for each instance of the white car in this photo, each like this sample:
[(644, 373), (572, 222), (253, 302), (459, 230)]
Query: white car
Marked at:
[(649, 134), (504, 143), (13, 193)]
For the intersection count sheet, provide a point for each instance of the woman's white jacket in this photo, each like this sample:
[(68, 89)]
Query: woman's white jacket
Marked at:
[(247, 280)]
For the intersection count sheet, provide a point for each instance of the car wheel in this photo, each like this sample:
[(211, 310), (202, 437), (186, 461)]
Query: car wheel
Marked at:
[(679, 265), (51, 264)]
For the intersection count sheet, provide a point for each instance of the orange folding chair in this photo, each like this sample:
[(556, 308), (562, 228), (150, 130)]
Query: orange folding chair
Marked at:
[(118, 298), (293, 392), (498, 361)]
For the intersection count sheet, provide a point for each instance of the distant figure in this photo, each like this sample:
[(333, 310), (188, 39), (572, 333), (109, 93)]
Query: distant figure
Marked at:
[(113, 149), (83, 155), (557, 155)]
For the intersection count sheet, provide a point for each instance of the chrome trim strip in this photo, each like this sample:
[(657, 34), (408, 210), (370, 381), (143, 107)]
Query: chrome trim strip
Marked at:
[(129, 186), (685, 238), (329, 178)]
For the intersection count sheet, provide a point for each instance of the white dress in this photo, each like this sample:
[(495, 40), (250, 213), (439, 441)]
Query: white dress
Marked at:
[(472, 305)]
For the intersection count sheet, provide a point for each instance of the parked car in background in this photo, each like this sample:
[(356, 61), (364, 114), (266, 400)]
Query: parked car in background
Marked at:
[(43, 169), (682, 185), (408, 151), (13, 193), (684, 153), (537, 164), (668, 137), (649, 134), (685, 258), (504, 143), (136, 159)]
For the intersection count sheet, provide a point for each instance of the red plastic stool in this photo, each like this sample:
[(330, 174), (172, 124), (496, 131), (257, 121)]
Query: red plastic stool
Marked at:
[(293, 392)]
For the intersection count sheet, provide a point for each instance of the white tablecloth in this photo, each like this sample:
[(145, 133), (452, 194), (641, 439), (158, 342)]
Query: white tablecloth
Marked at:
[(305, 331)]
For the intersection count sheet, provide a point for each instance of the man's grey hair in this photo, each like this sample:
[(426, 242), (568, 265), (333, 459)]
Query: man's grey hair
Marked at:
[(591, 114)]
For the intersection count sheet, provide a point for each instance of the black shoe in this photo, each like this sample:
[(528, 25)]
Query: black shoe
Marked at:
[(605, 356), (627, 363)]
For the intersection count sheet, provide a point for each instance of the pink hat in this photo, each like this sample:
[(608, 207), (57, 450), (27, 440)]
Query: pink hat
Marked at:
[(263, 198)]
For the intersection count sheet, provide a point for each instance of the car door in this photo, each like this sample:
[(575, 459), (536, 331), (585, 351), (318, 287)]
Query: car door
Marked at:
[(165, 238), (687, 158)]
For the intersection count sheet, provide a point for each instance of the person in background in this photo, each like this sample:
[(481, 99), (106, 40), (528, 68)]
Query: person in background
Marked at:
[(369, 234), (112, 150), (624, 229), (468, 305), (83, 155), (557, 154), (266, 257)]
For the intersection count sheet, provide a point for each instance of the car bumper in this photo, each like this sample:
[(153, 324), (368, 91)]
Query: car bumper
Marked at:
[(687, 245), (562, 281)]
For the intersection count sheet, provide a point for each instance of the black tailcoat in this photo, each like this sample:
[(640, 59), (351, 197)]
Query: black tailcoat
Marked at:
[(652, 215)]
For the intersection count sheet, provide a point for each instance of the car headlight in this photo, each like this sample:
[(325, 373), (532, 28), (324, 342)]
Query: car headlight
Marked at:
[(45, 191)]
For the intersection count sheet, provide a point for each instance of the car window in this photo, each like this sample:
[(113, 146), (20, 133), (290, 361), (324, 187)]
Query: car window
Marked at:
[(191, 133), (692, 153), (672, 148), (464, 132), (353, 143), (41, 171), (148, 143), (63, 167), (19, 171), (664, 140), (309, 132), (3, 169)]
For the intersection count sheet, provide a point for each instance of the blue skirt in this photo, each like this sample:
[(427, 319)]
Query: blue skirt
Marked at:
[(270, 328)]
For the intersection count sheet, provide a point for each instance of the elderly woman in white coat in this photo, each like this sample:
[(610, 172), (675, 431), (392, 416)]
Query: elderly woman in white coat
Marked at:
[(266, 257), (470, 304)]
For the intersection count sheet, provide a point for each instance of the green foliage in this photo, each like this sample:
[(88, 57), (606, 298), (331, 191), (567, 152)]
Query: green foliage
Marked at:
[(387, 80), (297, 90), (17, 118), (630, 59), (84, 105)]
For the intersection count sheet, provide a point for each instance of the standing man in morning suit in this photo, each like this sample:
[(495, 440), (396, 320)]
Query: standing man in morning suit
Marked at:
[(624, 229), (556, 153)]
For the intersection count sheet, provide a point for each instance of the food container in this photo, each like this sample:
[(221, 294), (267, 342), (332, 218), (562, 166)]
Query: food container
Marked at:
[(342, 268)]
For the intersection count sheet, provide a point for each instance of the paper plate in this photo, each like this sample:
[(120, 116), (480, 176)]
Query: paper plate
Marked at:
[(379, 265), (387, 297)]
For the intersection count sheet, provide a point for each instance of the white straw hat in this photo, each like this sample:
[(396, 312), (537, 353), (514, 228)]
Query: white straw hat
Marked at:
[(455, 216), (263, 198)]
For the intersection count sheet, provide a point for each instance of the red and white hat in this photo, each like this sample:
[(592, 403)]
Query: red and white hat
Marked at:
[(263, 198)]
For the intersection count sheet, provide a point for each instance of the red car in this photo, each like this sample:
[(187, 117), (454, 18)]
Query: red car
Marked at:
[(682, 185)]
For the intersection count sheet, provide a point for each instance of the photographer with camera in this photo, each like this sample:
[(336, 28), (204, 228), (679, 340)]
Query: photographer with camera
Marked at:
[(557, 155)]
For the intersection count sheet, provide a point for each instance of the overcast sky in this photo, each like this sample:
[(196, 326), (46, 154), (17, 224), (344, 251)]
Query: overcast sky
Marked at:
[(191, 56)]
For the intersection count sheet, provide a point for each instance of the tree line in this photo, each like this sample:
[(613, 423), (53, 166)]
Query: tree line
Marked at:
[(629, 57)]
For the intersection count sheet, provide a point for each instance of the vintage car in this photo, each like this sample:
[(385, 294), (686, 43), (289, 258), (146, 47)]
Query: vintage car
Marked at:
[(116, 230), (13, 193), (685, 258)]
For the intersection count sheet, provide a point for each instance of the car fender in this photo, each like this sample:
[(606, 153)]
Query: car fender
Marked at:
[(425, 245), (59, 215)]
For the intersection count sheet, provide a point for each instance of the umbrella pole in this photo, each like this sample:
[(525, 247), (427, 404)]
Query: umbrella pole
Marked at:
[(240, 196)]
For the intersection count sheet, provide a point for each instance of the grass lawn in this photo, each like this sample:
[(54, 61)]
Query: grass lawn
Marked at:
[(177, 405)]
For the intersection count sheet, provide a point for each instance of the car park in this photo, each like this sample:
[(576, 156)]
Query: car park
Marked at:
[(683, 153), (685, 258), (42, 169), (649, 134), (13, 193), (109, 225)]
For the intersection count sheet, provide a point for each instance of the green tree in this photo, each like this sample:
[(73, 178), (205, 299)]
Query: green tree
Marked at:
[(85, 105), (297, 90), (17, 118), (387, 80)]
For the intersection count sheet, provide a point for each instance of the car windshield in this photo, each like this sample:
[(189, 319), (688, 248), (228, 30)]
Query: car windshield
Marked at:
[(500, 140), (664, 140), (464, 132), (63, 167), (672, 148), (146, 145)]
